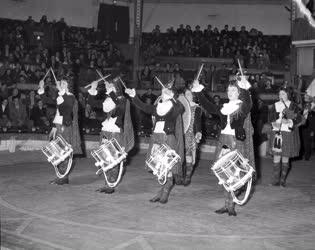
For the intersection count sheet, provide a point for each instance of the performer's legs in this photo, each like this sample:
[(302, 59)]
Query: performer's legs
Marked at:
[(158, 196), (276, 170), (189, 170), (62, 169), (307, 143), (284, 171), (164, 192), (229, 205), (167, 189), (112, 175)]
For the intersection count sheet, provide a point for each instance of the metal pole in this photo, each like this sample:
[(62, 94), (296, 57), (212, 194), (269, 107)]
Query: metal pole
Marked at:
[(293, 66), (138, 13)]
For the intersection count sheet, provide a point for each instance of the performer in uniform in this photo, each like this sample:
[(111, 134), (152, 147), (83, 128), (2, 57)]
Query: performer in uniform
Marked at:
[(117, 123), (308, 128), (236, 127), (193, 135), (285, 140), (168, 130), (65, 122)]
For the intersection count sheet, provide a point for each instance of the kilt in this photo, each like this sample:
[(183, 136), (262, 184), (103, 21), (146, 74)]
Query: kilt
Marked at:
[(68, 133), (232, 143), (170, 140), (290, 143), (110, 135)]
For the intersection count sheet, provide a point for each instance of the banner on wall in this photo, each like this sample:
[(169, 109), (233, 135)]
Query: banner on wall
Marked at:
[(113, 22)]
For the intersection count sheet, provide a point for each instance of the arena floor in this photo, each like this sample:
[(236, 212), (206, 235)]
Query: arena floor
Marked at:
[(37, 215)]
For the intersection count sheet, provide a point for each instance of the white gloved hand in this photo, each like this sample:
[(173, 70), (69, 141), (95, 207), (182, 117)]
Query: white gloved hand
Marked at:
[(41, 84), (41, 89), (196, 86), (60, 100), (110, 88), (198, 137), (243, 83), (94, 84), (130, 92), (92, 91), (52, 134)]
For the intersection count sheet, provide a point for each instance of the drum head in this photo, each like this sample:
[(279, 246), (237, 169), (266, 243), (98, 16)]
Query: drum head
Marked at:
[(187, 113), (224, 159)]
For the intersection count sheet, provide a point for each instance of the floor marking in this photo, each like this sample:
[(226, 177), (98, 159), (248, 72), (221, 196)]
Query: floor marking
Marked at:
[(24, 225), (44, 242), (140, 240), (12, 219), (155, 233)]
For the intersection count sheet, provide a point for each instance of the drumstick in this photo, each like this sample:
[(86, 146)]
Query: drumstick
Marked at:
[(52, 71), (239, 65), (199, 72), (159, 81), (46, 74), (99, 73), (122, 82), (101, 79)]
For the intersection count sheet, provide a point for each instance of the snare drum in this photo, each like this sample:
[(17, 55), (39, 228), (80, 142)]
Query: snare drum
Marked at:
[(233, 172), (161, 161), (107, 156), (57, 151)]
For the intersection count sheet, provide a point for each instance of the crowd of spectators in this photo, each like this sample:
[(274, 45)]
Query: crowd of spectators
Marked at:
[(28, 49), (252, 48)]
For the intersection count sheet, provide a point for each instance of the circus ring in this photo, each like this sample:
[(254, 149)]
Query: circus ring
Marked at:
[(37, 215)]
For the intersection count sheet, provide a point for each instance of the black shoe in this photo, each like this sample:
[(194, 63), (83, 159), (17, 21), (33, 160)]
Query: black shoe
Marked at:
[(275, 184), (187, 181), (157, 197), (106, 190), (232, 212), (283, 184), (58, 181), (222, 210)]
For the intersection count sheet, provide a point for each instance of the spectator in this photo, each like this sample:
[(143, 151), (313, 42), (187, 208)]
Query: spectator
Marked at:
[(217, 101), (4, 108), (17, 113), (179, 81), (4, 93), (39, 115)]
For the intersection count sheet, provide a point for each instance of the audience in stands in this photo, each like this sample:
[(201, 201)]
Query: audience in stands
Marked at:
[(252, 48), (28, 49)]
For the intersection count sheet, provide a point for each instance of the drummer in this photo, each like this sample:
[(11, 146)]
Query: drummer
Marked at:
[(117, 124), (192, 133), (65, 122), (236, 127), (166, 130)]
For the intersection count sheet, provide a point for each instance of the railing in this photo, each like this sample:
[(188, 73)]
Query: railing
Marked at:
[(302, 30), (192, 63)]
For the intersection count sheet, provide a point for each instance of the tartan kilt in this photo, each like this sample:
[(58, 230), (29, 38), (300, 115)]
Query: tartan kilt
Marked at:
[(290, 143), (232, 143), (170, 140), (110, 135), (67, 133)]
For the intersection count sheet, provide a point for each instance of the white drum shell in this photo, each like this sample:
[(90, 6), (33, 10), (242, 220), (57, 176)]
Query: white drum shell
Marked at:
[(108, 156), (161, 161), (233, 171), (57, 150)]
